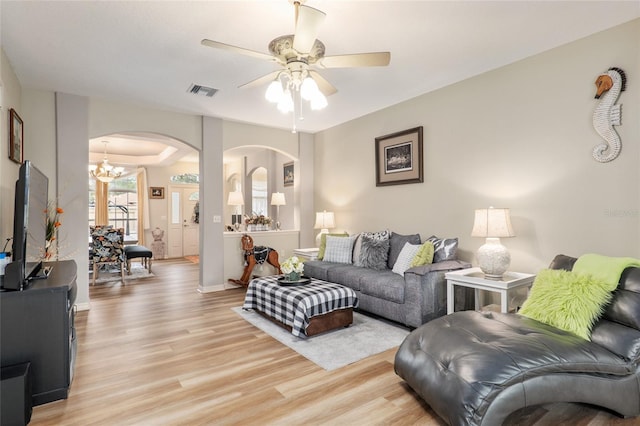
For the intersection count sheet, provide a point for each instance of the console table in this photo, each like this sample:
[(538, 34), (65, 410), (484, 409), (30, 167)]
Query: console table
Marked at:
[(37, 327)]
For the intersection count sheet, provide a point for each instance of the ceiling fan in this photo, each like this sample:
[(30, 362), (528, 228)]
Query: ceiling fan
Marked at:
[(296, 54)]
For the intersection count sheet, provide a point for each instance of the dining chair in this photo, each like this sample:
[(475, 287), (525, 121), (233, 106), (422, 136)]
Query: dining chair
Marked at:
[(107, 245)]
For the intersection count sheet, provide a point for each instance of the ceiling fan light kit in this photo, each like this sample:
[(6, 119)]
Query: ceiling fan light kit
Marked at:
[(281, 92), (296, 54)]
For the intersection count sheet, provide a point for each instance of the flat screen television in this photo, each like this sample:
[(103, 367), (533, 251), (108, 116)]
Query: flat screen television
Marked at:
[(29, 227)]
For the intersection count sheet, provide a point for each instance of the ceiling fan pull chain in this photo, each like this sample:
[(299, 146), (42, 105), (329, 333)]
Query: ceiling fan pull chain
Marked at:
[(294, 129), (301, 117)]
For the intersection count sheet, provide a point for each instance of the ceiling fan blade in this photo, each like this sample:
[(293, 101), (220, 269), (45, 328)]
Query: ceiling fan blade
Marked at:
[(236, 49), (325, 87), (307, 27), (261, 80), (374, 59)]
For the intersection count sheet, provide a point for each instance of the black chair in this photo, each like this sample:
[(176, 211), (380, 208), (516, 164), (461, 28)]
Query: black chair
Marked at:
[(476, 368)]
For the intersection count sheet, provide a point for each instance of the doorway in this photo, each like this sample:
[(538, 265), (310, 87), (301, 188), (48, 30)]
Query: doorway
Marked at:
[(184, 221)]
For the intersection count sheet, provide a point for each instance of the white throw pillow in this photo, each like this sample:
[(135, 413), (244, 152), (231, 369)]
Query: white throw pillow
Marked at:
[(405, 257), (339, 249)]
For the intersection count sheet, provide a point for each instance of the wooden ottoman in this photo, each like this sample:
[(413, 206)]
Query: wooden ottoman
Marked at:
[(306, 309)]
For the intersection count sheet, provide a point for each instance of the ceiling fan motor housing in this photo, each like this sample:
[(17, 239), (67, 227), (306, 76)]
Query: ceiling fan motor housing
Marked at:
[(282, 48)]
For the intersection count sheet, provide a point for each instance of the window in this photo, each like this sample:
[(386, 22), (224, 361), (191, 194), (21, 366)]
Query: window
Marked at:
[(186, 178), (122, 204)]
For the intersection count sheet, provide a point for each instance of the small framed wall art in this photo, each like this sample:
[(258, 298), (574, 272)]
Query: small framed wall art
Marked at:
[(16, 137), (156, 192), (399, 158), (288, 174)]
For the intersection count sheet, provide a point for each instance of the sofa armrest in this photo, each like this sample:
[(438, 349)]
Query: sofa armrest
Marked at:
[(426, 292), (447, 265)]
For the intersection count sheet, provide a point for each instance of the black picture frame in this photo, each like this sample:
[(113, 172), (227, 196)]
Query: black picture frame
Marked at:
[(288, 175), (16, 137), (399, 158)]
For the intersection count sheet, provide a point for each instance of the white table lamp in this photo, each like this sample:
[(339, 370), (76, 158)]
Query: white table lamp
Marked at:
[(236, 199), (277, 199), (493, 224), (324, 221)]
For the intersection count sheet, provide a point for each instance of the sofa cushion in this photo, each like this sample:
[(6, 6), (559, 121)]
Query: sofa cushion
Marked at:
[(351, 276), (318, 269), (396, 243), (357, 246), (339, 249), (383, 285), (405, 258), (444, 248), (323, 243), (567, 300), (374, 253)]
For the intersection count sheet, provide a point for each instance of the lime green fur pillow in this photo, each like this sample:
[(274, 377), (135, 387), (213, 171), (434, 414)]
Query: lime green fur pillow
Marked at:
[(424, 255), (323, 243), (567, 300)]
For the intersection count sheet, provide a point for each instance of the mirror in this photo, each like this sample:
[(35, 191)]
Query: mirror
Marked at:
[(233, 213), (259, 192)]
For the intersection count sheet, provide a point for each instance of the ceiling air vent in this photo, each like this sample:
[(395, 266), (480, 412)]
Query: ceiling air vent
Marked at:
[(196, 89)]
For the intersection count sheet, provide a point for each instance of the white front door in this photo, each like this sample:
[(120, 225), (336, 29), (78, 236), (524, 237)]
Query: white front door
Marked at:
[(184, 220)]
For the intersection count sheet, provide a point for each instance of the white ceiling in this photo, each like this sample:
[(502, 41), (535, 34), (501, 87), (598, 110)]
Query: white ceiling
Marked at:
[(149, 52)]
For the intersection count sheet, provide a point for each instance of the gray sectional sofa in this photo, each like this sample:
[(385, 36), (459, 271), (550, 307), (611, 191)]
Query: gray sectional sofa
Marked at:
[(411, 299)]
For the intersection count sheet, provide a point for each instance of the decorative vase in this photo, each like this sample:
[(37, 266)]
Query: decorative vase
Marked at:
[(293, 276)]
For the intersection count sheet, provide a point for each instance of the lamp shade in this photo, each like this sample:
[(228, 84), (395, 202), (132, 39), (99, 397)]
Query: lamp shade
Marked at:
[(325, 220), (235, 199), (492, 223), (277, 199)]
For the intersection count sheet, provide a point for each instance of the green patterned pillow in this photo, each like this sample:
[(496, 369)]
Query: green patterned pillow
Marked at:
[(323, 243), (567, 300), (424, 255)]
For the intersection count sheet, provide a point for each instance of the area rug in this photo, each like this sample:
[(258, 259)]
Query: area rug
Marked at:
[(334, 349), (193, 259), (113, 274)]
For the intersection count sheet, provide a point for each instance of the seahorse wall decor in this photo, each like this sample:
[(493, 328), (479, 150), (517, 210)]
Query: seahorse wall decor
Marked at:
[(608, 114)]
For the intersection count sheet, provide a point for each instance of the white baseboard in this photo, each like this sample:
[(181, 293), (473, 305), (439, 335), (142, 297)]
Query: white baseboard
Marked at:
[(211, 288), (217, 287), (83, 306)]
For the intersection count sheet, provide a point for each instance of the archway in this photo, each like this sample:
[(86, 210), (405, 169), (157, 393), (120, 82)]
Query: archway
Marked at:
[(240, 165), (150, 161)]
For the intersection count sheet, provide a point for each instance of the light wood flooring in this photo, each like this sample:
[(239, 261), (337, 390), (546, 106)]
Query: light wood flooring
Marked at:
[(157, 352)]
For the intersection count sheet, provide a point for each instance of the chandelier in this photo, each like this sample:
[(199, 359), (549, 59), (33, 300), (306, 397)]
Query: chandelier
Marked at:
[(295, 84), (105, 172)]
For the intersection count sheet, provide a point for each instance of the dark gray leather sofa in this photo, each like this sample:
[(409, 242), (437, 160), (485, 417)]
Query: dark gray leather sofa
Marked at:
[(476, 368)]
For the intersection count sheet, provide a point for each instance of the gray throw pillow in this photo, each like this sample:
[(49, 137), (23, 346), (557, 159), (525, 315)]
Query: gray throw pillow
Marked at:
[(357, 247), (396, 242), (374, 253), (444, 248)]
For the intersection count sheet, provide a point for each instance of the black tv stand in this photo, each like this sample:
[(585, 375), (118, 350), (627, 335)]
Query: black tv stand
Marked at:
[(42, 274), (37, 327)]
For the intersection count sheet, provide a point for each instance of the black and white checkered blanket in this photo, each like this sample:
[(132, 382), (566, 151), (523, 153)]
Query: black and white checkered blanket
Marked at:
[(295, 305)]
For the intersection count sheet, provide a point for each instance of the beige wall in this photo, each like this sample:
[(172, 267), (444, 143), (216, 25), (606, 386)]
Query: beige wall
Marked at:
[(521, 137), (159, 208), (518, 137), (11, 98)]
